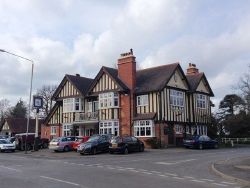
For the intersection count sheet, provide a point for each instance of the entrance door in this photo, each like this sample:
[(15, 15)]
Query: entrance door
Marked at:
[(171, 134)]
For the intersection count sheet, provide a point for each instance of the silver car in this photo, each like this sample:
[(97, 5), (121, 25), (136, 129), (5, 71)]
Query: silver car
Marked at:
[(5, 145), (62, 143)]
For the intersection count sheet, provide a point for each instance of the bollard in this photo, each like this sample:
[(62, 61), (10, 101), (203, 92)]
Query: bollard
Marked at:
[(232, 143)]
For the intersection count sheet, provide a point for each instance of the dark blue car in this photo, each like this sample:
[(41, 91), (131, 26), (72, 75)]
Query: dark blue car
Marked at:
[(200, 142)]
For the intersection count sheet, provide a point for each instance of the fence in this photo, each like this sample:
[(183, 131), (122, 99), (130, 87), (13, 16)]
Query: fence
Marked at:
[(235, 140)]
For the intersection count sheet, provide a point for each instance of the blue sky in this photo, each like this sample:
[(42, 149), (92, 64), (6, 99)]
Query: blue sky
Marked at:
[(66, 36)]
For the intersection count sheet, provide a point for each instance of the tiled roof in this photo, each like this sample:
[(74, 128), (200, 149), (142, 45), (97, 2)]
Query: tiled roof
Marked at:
[(144, 116), (81, 83), (194, 81), (154, 79), (19, 125)]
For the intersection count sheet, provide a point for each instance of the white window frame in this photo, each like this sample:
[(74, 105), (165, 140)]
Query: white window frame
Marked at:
[(69, 105), (177, 98), (109, 127), (142, 126), (108, 100), (142, 100), (201, 101), (179, 129), (67, 129), (53, 130)]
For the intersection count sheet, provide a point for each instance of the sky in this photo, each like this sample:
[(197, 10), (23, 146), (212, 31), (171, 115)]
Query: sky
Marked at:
[(79, 36)]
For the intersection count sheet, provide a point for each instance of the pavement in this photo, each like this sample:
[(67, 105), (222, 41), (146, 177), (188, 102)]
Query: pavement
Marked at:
[(235, 169)]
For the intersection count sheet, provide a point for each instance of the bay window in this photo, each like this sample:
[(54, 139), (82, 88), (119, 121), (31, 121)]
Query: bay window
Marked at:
[(144, 128), (73, 105), (109, 127), (201, 101)]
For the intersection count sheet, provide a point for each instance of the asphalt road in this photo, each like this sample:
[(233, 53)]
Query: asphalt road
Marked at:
[(173, 168)]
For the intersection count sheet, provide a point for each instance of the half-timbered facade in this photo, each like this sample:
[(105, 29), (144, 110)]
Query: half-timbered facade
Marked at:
[(160, 102)]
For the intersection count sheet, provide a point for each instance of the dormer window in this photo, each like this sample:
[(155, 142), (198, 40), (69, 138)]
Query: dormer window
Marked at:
[(142, 100)]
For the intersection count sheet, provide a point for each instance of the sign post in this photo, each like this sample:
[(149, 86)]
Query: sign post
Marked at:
[(37, 104)]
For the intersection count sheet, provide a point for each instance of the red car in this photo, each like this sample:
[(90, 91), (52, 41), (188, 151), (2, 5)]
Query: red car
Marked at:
[(79, 140)]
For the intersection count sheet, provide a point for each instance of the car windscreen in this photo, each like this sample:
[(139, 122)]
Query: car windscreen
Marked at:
[(55, 140), (93, 138), (116, 139), (4, 142), (79, 139)]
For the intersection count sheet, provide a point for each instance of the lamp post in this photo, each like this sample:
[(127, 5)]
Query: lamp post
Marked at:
[(31, 79)]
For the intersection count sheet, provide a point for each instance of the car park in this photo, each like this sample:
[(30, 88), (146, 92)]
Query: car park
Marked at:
[(125, 144), (62, 143), (95, 144), (5, 145), (79, 140), (200, 142)]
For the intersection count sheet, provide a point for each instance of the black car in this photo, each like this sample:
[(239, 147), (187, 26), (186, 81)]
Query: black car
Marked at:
[(200, 142), (125, 144), (95, 144)]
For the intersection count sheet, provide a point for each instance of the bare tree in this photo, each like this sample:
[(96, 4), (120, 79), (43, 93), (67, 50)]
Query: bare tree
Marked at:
[(47, 92), (4, 106), (244, 87)]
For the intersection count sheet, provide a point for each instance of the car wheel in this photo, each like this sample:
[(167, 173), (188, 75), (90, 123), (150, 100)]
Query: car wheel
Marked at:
[(125, 151), (45, 145), (94, 151), (216, 146), (81, 153), (28, 147), (142, 148), (111, 152), (200, 146), (66, 148), (1, 150)]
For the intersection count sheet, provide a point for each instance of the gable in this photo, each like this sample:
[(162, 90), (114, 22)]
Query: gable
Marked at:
[(68, 90), (177, 80), (5, 126), (105, 83), (203, 87)]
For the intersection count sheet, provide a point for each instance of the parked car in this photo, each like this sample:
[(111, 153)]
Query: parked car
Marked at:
[(95, 144), (5, 145), (79, 140), (200, 142), (62, 143), (20, 140), (125, 144)]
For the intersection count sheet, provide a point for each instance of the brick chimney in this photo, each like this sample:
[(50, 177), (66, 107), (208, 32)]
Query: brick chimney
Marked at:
[(127, 73), (191, 70), (127, 69)]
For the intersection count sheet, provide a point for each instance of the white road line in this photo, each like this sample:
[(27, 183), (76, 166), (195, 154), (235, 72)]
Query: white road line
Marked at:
[(111, 168), (147, 172), (163, 176), (207, 180), (171, 174), (199, 181), (179, 178), (229, 183), (13, 169), (67, 182), (219, 184), (134, 170), (157, 172), (175, 162), (189, 177), (100, 166)]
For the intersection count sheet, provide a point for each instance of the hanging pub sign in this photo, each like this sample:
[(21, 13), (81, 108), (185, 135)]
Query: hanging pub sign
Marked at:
[(37, 102)]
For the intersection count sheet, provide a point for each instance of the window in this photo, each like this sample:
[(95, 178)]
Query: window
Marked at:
[(144, 128), (178, 129), (176, 98), (201, 101), (108, 100), (142, 100), (53, 130), (67, 130), (72, 105), (109, 127)]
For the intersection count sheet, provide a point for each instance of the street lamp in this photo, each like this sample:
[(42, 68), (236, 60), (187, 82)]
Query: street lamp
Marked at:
[(31, 79)]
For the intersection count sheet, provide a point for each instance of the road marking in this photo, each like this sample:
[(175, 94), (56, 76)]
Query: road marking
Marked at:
[(219, 184), (179, 178), (134, 170), (189, 177), (147, 172), (100, 166), (163, 176), (198, 181), (229, 183), (67, 182), (13, 169), (157, 172), (171, 174), (175, 162), (207, 180)]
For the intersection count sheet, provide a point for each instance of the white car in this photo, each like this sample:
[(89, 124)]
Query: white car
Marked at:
[(5, 145)]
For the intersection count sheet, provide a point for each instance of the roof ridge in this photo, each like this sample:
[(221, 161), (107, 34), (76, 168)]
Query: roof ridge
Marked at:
[(78, 76), (159, 66)]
